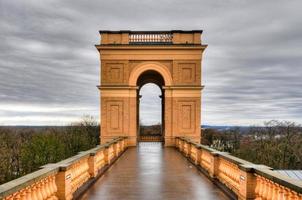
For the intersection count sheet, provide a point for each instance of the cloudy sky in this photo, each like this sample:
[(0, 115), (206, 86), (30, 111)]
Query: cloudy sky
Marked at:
[(49, 67)]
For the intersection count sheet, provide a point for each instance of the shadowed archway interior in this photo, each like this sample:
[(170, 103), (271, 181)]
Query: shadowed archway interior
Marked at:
[(156, 131)]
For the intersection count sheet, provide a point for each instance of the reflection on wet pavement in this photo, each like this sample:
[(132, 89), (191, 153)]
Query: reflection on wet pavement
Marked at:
[(151, 171)]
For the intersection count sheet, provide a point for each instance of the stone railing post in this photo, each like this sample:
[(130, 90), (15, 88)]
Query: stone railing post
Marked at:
[(126, 142), (189, 144), (176, 142), (106, 155), (247, 183), (63, 182), (93, 171), (115, 149), (214, 164), (181, 145), (247, 186), (198, 155), (125, 38), (118, 144), (122, 144)]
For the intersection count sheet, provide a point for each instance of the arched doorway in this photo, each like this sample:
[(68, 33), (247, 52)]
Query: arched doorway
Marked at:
[(157, 73), (151, 132)]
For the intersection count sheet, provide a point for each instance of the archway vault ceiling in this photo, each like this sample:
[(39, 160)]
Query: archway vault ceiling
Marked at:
[(150, 76)]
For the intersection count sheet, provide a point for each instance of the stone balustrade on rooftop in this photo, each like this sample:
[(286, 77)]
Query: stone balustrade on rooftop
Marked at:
[(174, 37)]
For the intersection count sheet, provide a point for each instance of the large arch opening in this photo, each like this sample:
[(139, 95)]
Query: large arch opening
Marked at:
[(150, 107)]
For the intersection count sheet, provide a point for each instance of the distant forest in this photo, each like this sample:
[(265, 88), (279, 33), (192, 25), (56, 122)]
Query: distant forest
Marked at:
[(24, 149), (150, 130), (277, 144)]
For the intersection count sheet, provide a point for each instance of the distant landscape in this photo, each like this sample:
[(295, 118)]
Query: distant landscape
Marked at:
[(24, 149)]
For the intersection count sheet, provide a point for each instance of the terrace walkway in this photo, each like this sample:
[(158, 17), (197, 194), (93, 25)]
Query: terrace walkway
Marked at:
[(153, 172)]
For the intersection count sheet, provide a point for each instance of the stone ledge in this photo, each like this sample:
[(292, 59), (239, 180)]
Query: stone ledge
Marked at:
[(280, 179), (47, 170), (27, 180)]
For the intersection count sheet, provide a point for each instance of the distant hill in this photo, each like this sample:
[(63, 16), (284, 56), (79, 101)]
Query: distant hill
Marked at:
[(224, 128)]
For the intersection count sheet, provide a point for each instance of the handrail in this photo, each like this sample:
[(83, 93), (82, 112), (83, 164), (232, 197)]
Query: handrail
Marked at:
[(134, 39), (245, 179), (150, 38), (62, 180)]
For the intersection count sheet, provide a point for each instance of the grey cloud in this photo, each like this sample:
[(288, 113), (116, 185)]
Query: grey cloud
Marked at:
[(251, 69)]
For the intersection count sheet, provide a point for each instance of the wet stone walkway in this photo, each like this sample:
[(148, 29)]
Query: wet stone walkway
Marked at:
[(151, 172)]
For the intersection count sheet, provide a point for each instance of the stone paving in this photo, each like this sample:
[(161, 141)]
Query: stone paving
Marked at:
[(152, 172)]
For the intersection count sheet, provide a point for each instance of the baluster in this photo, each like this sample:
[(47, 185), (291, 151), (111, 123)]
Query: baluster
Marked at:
[(80, 172), (274, 191), (54, 188), (261, 187), (26, 194), (264, 189), (257, 187), (23, 194), (293, 196), (39, 191), (34, 193), (279, 193), (267, 189), (17, 196), (270, 190), (47, 186), (286, 194), (42, 189)]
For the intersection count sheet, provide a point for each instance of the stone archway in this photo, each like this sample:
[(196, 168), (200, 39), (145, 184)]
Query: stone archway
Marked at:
[(150, 66), (151, 72), (170, 59)]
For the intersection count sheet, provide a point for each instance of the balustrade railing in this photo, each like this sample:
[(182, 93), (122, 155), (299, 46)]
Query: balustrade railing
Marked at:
[(228, 173), (150, 138), (62, 180), (245, 179), (139, 38), (206, 160)]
